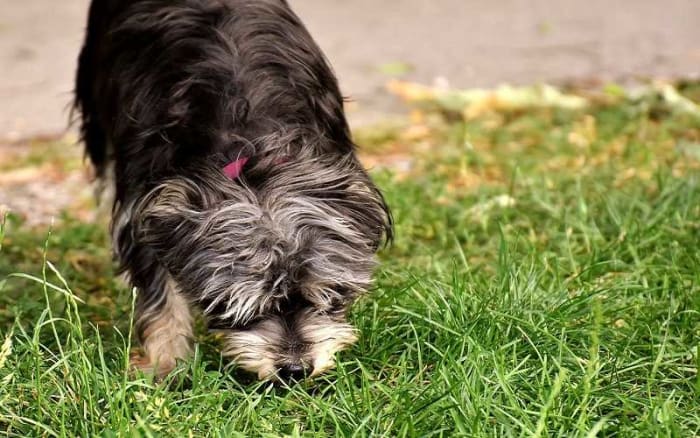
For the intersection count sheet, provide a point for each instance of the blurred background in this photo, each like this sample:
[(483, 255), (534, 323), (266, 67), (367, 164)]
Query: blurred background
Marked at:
[(469, 43), (456, 44)]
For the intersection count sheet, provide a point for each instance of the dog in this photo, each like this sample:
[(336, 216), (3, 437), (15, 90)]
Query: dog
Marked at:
[(220, 127)]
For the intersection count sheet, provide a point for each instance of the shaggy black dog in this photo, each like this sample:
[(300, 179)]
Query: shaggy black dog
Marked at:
[(237, 189)]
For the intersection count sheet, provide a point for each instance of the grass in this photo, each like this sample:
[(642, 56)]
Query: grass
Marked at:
[(545, 281)]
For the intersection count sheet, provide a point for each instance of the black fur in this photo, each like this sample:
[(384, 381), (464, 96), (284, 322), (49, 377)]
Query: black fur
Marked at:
[(170, 91)]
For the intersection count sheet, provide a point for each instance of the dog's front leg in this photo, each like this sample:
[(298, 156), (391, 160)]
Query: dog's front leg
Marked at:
[(163, 325)]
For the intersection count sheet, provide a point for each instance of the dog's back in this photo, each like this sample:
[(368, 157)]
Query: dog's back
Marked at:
[(200, 77)]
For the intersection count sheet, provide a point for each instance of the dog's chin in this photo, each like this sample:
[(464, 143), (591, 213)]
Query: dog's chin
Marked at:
[(311, 341)]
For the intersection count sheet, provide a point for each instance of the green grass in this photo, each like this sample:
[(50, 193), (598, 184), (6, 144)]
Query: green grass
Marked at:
[(574, 311)]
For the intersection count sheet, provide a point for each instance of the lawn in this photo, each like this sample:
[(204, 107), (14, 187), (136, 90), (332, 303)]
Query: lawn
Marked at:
[(544, 281)]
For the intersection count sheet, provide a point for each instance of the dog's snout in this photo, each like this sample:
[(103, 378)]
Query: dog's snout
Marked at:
[(294, 372)]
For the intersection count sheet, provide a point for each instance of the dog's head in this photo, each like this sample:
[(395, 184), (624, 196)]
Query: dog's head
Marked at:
[(273, 258)]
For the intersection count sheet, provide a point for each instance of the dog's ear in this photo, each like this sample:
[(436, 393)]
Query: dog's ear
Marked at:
[(363, 202), (366, 204), (169, 214)]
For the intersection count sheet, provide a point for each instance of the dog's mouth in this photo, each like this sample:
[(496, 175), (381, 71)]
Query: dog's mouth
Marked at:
[(289, 349)]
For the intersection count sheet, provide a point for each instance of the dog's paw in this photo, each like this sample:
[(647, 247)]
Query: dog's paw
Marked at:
[(142, 364)]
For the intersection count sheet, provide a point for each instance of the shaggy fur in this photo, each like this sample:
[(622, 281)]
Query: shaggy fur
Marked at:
[(170, 92)]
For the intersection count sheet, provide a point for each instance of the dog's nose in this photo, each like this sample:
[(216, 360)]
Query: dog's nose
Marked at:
[(294, 372)]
